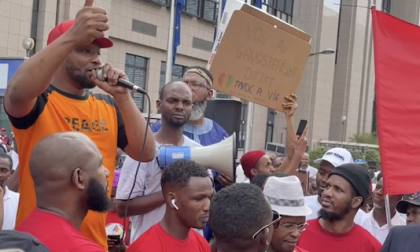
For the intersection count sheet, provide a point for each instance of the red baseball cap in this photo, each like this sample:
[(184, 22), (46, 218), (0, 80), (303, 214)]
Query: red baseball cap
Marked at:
[(61, 28)]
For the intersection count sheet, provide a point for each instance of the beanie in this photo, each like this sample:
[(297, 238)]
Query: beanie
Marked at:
[(357, 176), (249, 160)]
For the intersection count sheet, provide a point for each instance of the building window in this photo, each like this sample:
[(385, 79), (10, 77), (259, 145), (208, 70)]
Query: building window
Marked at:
[(136, 70), (192, 7), (177, 73), (386, 6), (202, 9), (159, 2), (209, 10), (283, 9)]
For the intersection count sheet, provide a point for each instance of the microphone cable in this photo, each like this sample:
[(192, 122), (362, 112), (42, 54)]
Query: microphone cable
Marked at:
[(137, 171)]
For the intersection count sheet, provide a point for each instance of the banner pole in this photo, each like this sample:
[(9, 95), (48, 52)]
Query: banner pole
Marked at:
[(388, 212)]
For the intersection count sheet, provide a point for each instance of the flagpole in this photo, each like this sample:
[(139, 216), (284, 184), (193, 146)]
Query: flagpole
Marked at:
[(169, 52), (218, 21)]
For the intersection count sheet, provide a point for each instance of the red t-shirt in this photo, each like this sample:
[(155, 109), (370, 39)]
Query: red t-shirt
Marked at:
[(157, 240), (317, 239), (56, 233), (297, 249)]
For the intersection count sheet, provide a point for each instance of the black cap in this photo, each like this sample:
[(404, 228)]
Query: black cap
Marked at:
[(10, 239), (371, 163), (413, 199), (357, 176)]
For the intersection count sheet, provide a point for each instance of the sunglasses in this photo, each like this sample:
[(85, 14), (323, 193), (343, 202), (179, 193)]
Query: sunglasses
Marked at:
[(275, 222)]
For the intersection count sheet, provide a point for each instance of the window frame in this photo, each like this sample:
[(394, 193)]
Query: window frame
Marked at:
[(135, 67), (386, 6), (173, 78)]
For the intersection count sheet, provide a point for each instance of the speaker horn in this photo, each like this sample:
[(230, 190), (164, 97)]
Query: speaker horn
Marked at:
[(220, 157)]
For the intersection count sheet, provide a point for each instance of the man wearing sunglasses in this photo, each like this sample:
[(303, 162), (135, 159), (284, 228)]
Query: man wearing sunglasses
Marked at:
[(286, 197), (241, 219)]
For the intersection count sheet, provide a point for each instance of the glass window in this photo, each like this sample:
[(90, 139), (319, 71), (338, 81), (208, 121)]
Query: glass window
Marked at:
[(136, 70), (177, 73), (160, 2), (386, 6), (192, 7), (282, 9), (288, 8), (210, 10)]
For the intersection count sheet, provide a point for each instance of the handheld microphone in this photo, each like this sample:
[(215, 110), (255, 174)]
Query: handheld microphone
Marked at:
[(122, 83)]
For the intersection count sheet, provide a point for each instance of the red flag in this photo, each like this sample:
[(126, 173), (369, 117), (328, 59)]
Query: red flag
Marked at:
[(397, 88)]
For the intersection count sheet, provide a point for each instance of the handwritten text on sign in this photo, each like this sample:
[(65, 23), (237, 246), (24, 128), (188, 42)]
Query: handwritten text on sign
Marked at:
[(258, 62)]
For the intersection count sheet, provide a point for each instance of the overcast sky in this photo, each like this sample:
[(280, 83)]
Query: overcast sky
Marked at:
[(332, 4)]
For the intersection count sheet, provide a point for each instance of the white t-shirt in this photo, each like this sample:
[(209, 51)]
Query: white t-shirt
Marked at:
[(240, 175), (380, 233), (15, 159), (10, 202), (313, 204), (147, 183)]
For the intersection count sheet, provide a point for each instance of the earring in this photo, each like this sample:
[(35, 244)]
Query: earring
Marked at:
[(174, 205)]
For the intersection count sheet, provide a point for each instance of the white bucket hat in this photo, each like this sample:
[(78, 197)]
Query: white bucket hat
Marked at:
[(336, 156), (286, 197)]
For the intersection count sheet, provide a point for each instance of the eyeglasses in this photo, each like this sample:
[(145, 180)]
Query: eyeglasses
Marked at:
[(290, 227), (197, 85), (275, 223)]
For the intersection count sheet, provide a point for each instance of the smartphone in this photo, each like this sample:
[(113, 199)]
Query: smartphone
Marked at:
[(302, 126), (115, 238), (304, 179)]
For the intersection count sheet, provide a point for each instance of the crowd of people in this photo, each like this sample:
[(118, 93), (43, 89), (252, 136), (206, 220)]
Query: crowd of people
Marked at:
[(67, 188)]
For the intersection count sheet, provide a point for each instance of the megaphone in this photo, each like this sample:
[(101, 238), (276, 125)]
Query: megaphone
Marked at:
[(220, 157)]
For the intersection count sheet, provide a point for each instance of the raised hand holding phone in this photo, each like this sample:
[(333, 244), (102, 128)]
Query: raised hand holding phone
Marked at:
[(90, 24)]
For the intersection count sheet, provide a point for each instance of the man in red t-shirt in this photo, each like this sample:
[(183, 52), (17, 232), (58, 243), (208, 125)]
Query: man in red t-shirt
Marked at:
[(241, 219), (346, 190), (187, 189), (69, 180)]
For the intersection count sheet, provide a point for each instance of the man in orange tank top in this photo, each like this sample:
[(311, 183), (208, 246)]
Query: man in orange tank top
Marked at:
[(47, 94)]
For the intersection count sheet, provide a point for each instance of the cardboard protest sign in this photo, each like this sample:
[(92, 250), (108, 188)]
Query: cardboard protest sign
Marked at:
[(257, 57)]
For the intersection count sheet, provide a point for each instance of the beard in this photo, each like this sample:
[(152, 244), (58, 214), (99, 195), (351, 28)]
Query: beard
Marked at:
[(97, 200), (332, 216), (198, 110), (172, 122), (78, 76)]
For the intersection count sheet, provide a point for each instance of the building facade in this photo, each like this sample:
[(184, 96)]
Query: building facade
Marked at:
[(332, 86)]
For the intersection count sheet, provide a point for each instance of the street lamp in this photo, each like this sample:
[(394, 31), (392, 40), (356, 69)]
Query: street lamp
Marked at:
[(28, 44), (325, 51)]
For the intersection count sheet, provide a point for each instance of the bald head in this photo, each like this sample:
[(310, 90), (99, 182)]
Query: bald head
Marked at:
[(175, 104), (55, 157), (173, 85)]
